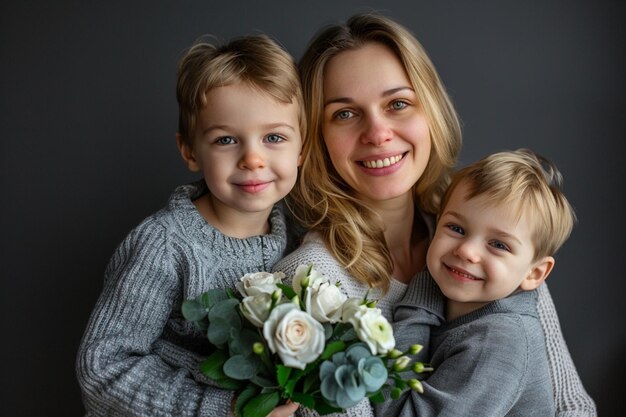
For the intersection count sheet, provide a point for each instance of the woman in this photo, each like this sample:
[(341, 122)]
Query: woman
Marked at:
[(384, 137)]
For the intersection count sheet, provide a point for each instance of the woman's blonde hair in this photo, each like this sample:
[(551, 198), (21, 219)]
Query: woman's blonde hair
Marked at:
[(256, 60), (322, 200), (526, 183)]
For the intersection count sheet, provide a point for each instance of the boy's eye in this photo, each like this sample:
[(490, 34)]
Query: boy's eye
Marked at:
[(225, 140), (399, 105), (455, 228), (500, 245), (344, 115), (274, 138)]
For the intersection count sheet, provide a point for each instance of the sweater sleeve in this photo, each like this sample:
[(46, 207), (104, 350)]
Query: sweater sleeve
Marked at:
[(117, 368), (421, 307), (470, 367), (570, 396)]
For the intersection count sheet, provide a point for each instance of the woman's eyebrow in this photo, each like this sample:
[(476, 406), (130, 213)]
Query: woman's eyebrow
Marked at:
[(386, 93)]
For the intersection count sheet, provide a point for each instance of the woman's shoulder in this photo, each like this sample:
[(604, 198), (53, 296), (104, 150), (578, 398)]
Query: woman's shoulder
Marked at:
[(311, 251)]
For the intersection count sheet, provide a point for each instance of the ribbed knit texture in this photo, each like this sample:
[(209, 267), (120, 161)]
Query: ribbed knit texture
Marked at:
[(571, 398), (138, 356)]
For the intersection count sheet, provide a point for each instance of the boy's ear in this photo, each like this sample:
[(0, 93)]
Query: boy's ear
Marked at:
[(538, 274), (187, 153)]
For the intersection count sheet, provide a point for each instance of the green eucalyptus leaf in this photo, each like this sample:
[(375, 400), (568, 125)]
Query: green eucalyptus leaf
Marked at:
[(261, 405), (218, 332), (244, 396), (241, 367), (211, 297), (229, 384), (332, 348), (212, 366), (224, 309), (328, 330), (241, 341), (349, 335), (193, 311), (263, 382)]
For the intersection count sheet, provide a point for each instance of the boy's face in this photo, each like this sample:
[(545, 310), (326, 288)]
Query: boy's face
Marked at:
[(481, 252), (247, 145)]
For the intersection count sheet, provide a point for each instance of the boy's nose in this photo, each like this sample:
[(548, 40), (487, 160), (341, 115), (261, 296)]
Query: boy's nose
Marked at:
[(251, 159), (467, 251), (376, 130)]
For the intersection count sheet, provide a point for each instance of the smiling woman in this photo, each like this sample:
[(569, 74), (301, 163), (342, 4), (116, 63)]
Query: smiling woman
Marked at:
[(383, 138), (369, 125)]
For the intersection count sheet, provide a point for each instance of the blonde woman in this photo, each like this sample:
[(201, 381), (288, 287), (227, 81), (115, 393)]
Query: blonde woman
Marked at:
[(383, 138)]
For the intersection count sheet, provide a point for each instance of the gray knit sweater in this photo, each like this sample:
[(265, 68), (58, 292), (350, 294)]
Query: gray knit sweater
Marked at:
[(138, 356), (490, 362), (570, 397)]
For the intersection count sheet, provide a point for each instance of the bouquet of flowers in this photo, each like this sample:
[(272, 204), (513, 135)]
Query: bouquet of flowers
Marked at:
[(307, 343)]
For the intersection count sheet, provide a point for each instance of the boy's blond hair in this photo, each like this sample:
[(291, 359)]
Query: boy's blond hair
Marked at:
[(256, 60), (528, 184)]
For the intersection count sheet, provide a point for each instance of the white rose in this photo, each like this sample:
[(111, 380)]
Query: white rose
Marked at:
[(325, 303), (256, 308), (370, 325), (351, 311), (259, 282), (314, 278), (294, 335)]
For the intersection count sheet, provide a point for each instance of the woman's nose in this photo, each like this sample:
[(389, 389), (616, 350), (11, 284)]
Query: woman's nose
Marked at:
[(468, 251), (376, 131)]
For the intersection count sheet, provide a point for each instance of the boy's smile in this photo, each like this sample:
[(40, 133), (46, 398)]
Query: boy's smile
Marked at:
[(481, 252)]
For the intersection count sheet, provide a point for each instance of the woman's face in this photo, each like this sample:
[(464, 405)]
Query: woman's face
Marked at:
[(374, 127)]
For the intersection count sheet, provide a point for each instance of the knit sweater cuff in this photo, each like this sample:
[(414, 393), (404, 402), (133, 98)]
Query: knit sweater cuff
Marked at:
[(422, 292)]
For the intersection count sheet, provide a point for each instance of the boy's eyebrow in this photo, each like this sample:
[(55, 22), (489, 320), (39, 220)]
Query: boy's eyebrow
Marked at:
[(492, 230), (268, 126), (386, 93)]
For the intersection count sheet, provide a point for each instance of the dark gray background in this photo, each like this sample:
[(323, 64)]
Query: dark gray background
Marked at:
[(88, 117)]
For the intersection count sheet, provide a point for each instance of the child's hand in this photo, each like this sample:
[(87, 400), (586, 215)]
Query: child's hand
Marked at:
[(285, 410)]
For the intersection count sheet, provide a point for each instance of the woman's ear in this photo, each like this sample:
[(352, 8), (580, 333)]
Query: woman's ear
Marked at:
[(538, 273), (186, 152)]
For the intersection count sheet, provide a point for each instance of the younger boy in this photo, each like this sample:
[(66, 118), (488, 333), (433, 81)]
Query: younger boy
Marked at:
[(241, 126), (502, 218)]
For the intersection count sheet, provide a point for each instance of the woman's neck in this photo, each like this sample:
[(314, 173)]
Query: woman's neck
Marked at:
[(405, 235)]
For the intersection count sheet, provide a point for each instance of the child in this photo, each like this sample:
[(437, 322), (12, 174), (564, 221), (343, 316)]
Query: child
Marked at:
[(241, 126), (502, 219)]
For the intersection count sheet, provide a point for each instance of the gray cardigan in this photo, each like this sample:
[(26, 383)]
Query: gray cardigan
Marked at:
[(138, 355)]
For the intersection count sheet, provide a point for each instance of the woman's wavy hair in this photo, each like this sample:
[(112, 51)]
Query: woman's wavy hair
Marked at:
[(322, 200)]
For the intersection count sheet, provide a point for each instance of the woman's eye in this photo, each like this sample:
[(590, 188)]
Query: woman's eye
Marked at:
[(499, 245), (274, 138), (225, 140), (399, 105), (456, 228), (344, 115)]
